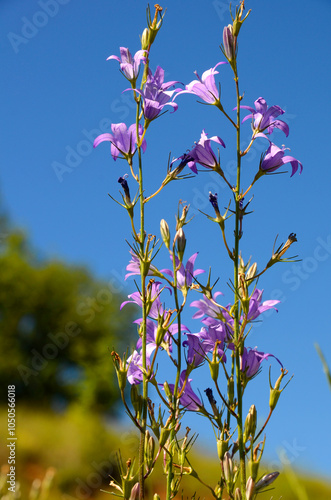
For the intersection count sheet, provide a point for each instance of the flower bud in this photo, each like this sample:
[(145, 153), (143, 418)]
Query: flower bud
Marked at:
[(227, 468), (156, 497), (149, 450), (250, 424), (229, 43), (135, 492), (164, 434), (237, 494), (181, 243), (251, 272), (145, 39), (167, 390), (266, 480), (230, 390), (250, 485), (165, 233)]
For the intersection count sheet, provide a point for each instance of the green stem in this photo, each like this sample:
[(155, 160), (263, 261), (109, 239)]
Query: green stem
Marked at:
[(175, 395), (236, 318), (144, 343)]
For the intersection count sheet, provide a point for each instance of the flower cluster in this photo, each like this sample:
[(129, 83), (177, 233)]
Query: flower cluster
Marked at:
[(220, 339)]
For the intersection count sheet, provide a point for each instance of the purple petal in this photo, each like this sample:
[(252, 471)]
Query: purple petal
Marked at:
[(102, 138)]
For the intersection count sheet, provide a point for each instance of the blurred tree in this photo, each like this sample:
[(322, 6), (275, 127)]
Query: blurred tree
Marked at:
[(57, 328)]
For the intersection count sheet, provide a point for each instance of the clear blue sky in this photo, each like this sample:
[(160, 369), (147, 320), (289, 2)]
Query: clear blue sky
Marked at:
[(58, 92)]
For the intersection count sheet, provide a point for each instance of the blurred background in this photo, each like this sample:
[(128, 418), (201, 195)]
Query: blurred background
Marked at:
[(62, 248)]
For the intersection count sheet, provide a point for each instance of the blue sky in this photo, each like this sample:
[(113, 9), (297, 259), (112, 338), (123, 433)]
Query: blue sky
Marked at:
[(58, 92)]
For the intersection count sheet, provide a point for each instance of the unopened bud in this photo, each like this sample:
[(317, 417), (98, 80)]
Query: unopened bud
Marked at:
[(250, 485), (231, 390), (229, 43), (181, 243), (251, 272), (165, 233), (135, 492), (266, 480), (227, 468), (250, 423), (167, 390), (149, 450), (156, 497), (145, 39), (237, 494)]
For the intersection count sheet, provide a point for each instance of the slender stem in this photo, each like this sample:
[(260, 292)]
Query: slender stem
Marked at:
[(175, 394), (144, 321), (236, 318), (263, 427)]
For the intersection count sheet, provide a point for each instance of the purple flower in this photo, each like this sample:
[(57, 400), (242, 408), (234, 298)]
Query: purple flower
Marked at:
[(218, 320), (152, 331), (156, 309), (129, 65), (186, 159), (189, 400), (205, 87), (202, 152), (201, 343), (122, 140), (264, 118), (155, 94), (274, 158), (257, 307), (207, 307), (185, 275), (251, 360), (135, 363), (196, 353), (134, 266)]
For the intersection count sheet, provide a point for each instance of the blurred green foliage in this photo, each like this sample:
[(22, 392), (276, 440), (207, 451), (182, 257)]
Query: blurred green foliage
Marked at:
[(58, 326)]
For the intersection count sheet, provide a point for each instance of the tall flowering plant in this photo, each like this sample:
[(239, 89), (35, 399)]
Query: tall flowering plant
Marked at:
[(163, 294)]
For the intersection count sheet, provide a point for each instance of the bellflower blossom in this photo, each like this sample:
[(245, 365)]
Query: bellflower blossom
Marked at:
[(155, 94), (184, 275), (257, 307), (152, 330), (135, 363), (201, 343), (189, 400), (122, 140), (218, 318), (263, 118), (202, 152), (251, 360), (156, 309), (185, 159), (205, 87), (274, 158), (134, 267), (129, 65)]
